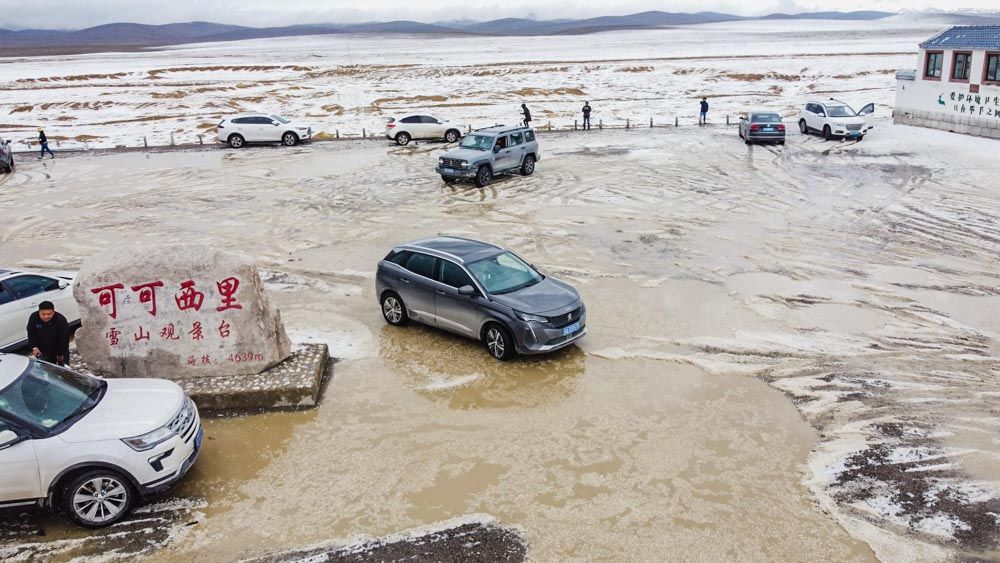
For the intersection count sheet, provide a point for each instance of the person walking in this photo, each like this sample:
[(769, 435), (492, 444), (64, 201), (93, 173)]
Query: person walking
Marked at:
[(48, 334), (703, 116), (586, 116), (44, 141), (527, 115)]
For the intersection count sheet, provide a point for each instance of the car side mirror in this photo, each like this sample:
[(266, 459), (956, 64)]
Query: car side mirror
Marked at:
[(8, 438), (467, 290), (496, 149)]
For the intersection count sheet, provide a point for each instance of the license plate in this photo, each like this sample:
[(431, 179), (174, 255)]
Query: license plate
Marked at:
[(768, 129), (198, 438), (449, 170), (571, 328)]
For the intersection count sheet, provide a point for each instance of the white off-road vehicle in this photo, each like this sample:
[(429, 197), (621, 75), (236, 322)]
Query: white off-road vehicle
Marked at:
[(93, 448), (834, 118)]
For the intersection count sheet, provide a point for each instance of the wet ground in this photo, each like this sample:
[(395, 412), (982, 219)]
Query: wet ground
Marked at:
[(792, 351)]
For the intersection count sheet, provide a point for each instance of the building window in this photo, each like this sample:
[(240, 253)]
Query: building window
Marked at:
[(992, 73), (935, 62), (960, 66)]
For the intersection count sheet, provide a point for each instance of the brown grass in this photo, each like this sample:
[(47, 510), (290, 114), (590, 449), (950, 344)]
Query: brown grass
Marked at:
[(85, 138), (635, 69), (744, 77), (155, 73), (22, 109), (75, 78), (176, 94), (526, 92), (407, 100)]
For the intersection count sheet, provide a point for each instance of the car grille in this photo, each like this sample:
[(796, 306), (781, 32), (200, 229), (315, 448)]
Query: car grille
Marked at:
[(853, 127), (183, 423), (561, 339), (566, 319), (451, 162)]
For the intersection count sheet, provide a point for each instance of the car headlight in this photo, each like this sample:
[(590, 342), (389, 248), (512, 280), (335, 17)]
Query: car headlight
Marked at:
[(531, 318), (464, 163), (149, 440), (302, 128)]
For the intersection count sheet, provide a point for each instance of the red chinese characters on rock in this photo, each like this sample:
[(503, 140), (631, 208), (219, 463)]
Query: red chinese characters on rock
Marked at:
[(227, 290), (224, 329), (196, 331), (147, 294), (113, 336), (106, 296), (189, 297), (141, 335)]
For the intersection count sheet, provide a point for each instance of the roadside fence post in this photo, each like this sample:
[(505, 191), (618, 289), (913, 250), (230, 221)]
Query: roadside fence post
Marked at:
[(600, 124), (144, 143), (627, 124), (650, 122), (200, 142), (727, 119), (364, 134), (550, 126), (574, 125), (336, 133), (676, 121), (171, 139), (469, 128)]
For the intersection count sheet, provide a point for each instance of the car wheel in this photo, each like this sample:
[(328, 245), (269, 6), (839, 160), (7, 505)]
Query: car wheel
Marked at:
[(289, 139), (860, 138), (782, 143), (827, 134), (803, 128), (403, 139), (393, 310), (98, 498), (483, 177), (236, 141), (498, 342), (528, 166), (449, 179), (451, 136)]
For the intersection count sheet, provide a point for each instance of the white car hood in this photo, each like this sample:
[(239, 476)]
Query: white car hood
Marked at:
[(130, 407)]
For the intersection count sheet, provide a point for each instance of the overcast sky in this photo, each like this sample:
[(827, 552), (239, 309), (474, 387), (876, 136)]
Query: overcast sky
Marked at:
[(76, 14)]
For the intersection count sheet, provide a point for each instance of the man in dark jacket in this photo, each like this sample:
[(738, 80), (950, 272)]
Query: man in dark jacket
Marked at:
[(527, 115), (703, 116), (48, 334), (44, 141), (586, 115)]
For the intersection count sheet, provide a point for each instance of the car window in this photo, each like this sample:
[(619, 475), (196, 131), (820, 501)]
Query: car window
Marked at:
[(421, 264), (529, 136), (766, 118), (26, 286), (516, 139), (398, 257), (452, 274), (501, 142), (6, 295), (477, 142), (263, 121), (46, 395), (411, 119), (840, 111), (240, 120), (504, 273), (428, 119)]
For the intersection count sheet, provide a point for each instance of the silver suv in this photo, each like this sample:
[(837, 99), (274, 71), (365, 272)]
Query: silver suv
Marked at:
[(484, 153), (480, 291), (6, 157)]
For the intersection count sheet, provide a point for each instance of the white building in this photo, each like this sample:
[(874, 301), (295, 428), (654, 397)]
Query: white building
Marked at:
[(956, 86)]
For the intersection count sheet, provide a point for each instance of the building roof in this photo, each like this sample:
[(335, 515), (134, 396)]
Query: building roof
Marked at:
[(966, 37)]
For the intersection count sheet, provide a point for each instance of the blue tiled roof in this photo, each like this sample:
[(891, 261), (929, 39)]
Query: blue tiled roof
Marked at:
[(966, 37)]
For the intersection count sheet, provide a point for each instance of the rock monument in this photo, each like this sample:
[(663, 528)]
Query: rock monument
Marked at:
[(178, 311)]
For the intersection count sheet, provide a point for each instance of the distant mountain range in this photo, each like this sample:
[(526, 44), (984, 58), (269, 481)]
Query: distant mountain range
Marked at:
[(115, 36)]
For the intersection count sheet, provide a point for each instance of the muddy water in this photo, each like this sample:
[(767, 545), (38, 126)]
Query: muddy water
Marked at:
[(701, 261)]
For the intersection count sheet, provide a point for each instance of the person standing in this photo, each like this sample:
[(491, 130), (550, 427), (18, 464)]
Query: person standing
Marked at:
[(44, 141), (48, 334), (586, 116), (703, 116), (527, 115)]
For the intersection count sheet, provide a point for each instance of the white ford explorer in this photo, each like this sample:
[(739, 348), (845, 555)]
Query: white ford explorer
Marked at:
[(93, 448)]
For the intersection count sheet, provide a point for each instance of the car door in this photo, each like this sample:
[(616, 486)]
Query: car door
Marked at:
[(12, 319), (29, 290), (455, 312), (433, 128), (518, 148), (868, 114), (244, 126), (19, 466), (502, 154), (270, 129), (417, 287), (412, 125)]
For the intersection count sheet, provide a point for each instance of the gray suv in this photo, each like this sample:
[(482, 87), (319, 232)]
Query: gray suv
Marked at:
[(484, 153), (480, 291)]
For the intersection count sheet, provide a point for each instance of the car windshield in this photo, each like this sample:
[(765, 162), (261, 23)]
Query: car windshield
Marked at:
[(766, 118), (281, 120), (46, 396), (504, 273), (840, 111), (477, 142)]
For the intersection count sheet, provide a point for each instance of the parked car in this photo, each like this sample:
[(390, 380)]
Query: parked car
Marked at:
[(91, 447), (6, 157), (481, 291), (422, 127), (834, 118), (20, 295), (262, 128), (762, 126), (487, 152)]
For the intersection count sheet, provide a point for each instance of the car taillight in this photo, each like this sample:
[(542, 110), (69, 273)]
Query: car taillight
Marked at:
[(781, 127), (755, 127), (390, 125)]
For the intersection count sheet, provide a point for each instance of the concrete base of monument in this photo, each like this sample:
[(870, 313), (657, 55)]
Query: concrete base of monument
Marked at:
[(294, 383)]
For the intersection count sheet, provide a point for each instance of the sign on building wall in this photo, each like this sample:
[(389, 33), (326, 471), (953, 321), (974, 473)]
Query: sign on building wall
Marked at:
[(176, 311), (964, 103)]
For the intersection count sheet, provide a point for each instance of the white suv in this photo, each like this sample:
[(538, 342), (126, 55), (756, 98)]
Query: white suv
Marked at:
[(422, 127), (92, 447), (262, 128), (20, 295), (834, 118)]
